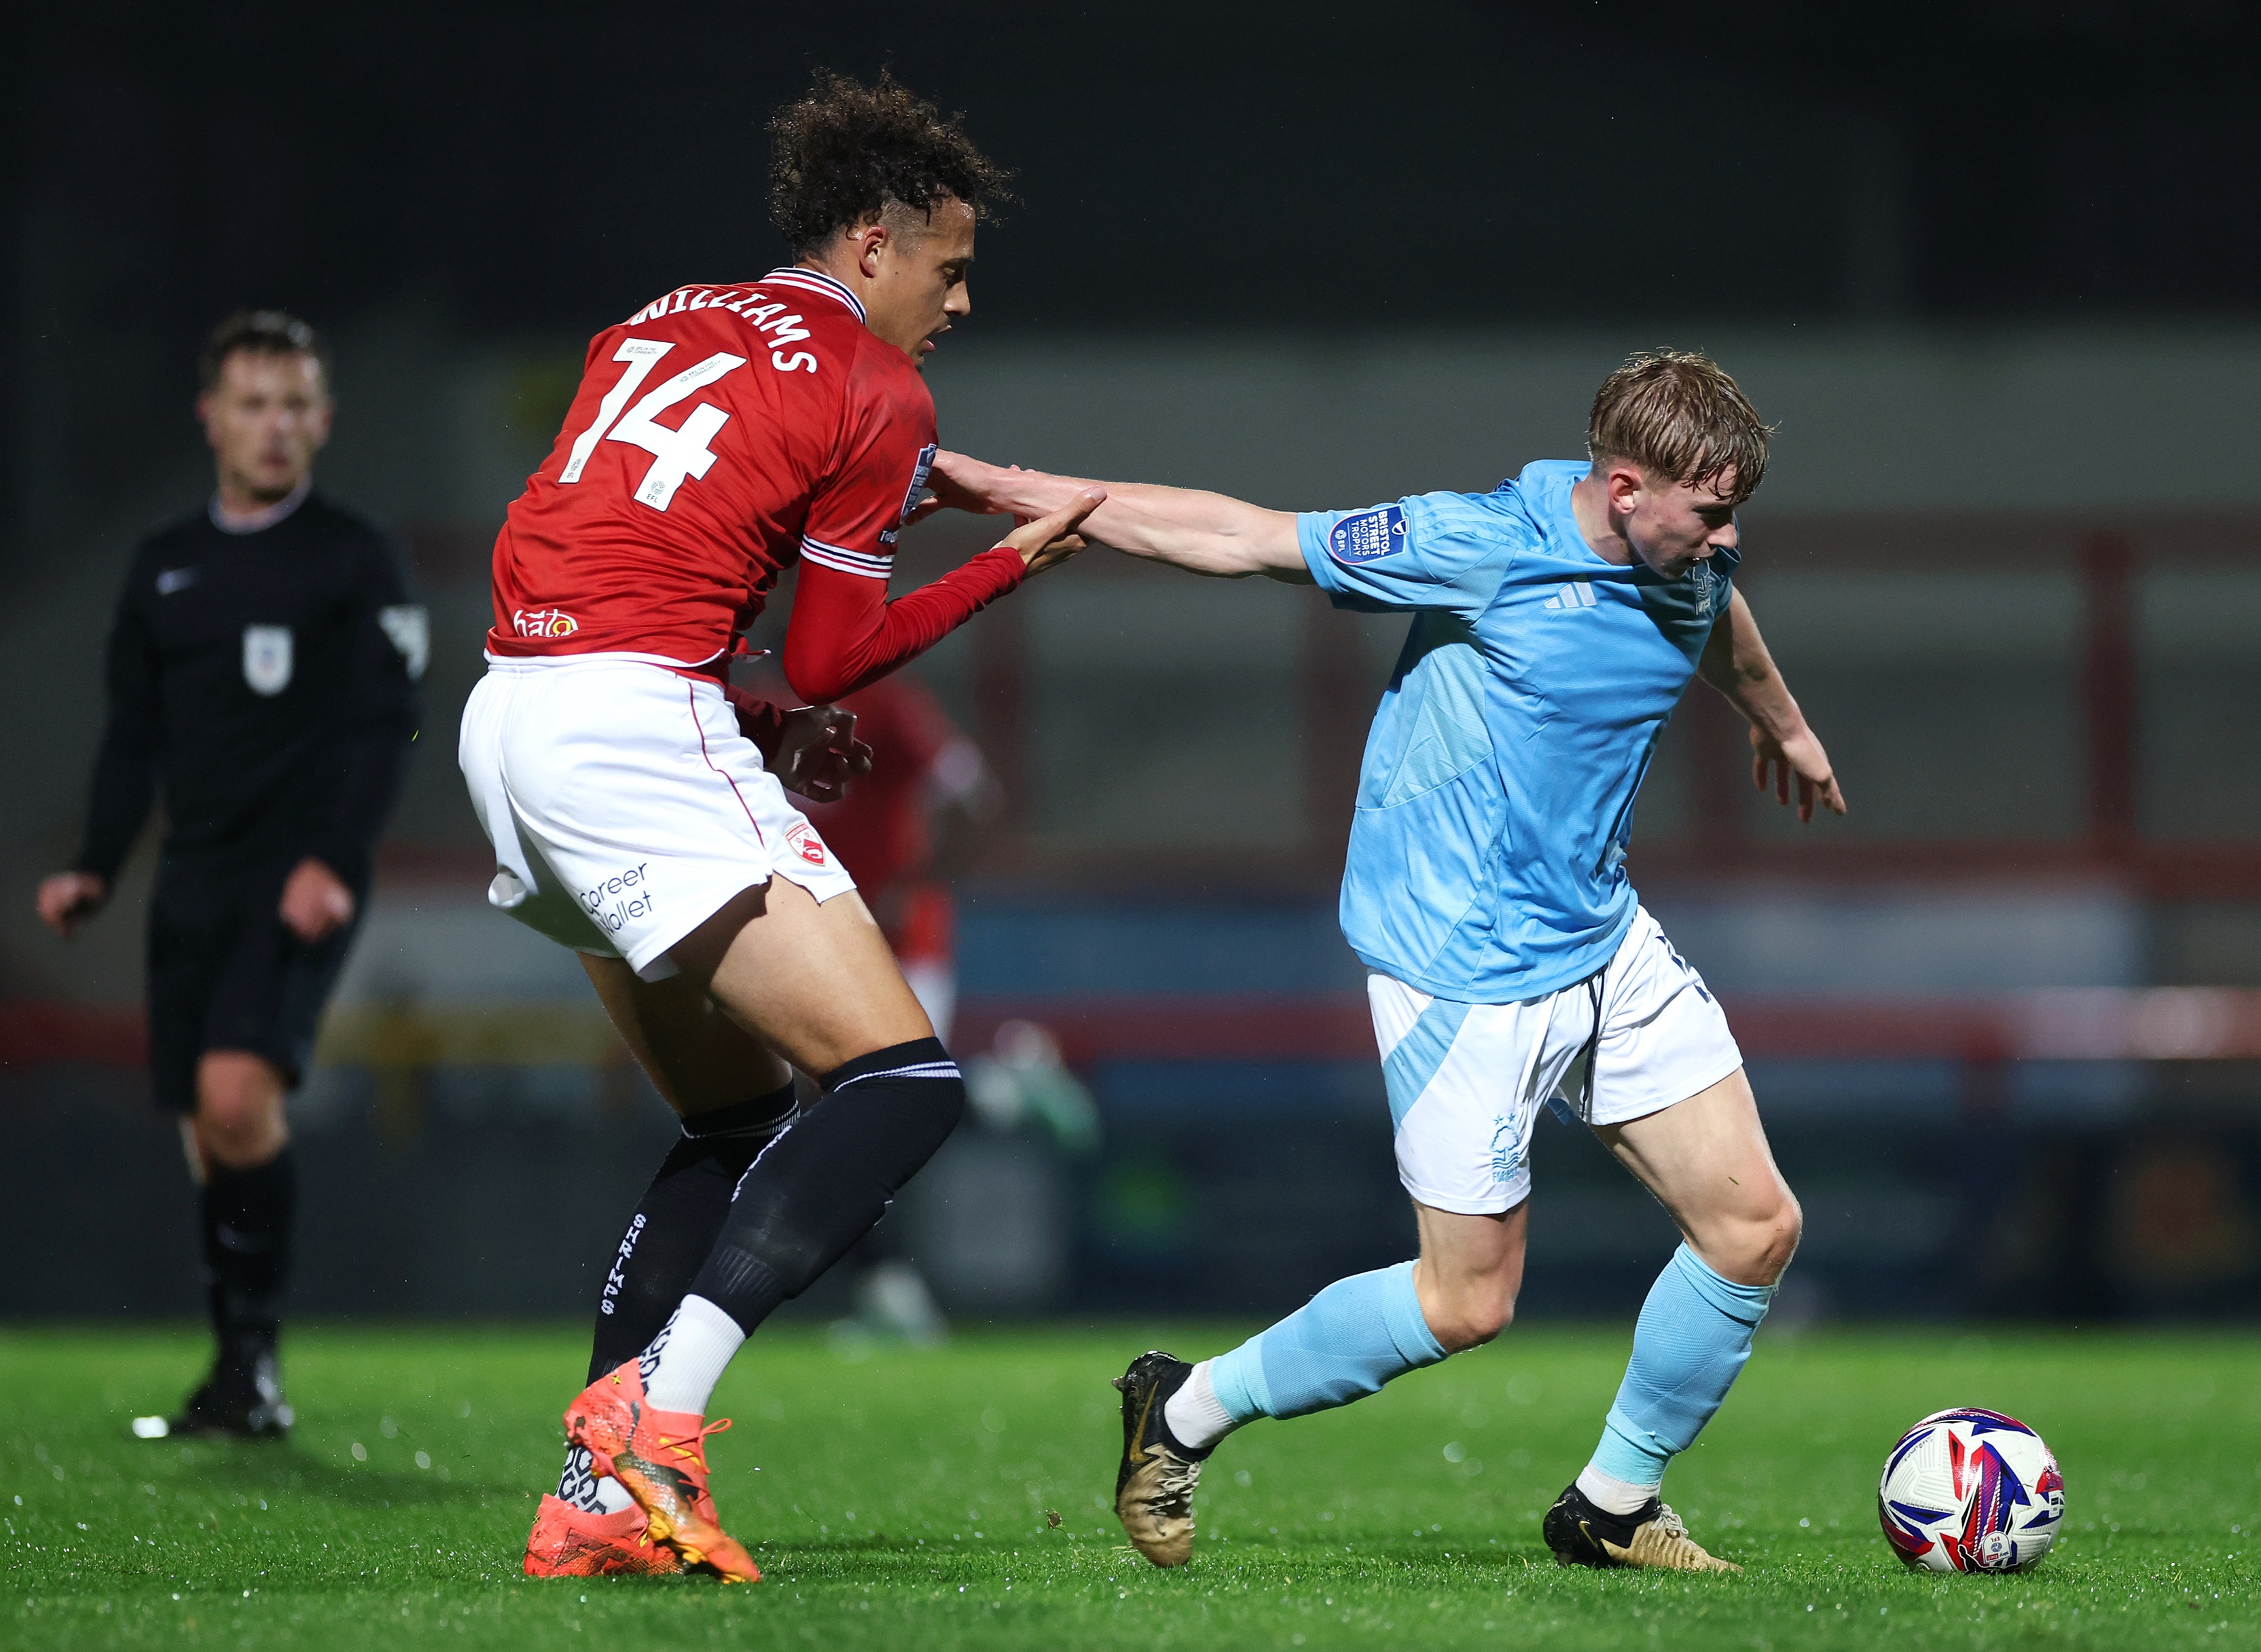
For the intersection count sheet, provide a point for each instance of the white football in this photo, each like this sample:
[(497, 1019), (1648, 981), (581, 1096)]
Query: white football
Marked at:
[(1970, 1491)]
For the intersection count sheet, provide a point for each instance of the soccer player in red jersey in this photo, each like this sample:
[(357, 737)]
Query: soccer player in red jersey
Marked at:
[(720, 433)]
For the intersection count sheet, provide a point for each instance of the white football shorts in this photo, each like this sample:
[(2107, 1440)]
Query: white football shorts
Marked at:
[(624, 806), (1466, 1081)]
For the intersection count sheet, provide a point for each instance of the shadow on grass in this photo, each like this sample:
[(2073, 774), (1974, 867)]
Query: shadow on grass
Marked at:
[(264, 1466), (1219, 1556)]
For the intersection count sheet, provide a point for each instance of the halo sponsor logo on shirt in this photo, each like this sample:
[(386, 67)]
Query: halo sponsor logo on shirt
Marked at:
[(1367, 537), (544, 622), (267, 658)]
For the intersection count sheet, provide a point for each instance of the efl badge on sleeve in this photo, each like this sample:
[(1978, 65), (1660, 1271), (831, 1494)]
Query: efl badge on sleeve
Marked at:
[(920, 472), (267, 658), (1367, 537)]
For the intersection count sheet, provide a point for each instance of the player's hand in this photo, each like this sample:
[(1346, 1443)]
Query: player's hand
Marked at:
[(68, 899), (818, 753), (1776, 763), (316, 903), (1050, 540), (960, 483)]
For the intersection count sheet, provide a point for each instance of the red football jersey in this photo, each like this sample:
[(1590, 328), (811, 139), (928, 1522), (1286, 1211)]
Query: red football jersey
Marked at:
[(719, 433)]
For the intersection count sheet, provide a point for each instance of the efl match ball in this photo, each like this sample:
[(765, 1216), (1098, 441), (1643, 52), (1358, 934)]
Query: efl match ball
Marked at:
[(1970, 1491)]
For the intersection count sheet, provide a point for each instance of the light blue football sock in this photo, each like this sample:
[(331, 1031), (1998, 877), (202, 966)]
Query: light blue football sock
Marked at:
[(1693, 1335), (1340, 1345)]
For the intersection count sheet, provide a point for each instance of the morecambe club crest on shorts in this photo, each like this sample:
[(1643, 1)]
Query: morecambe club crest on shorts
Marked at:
[(805, 843), (267, 658)]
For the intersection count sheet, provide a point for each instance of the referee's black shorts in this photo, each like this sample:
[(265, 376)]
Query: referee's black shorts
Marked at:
[(226, 974)]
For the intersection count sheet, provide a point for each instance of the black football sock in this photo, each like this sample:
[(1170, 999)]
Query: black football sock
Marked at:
[(247, 1221), (675, 1225), (825, 1182), (666, 1241)]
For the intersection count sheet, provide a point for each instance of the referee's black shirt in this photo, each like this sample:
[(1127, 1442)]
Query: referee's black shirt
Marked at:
[(268, 681)]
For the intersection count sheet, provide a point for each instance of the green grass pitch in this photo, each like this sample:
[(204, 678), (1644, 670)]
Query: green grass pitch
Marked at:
[(901, 1498)]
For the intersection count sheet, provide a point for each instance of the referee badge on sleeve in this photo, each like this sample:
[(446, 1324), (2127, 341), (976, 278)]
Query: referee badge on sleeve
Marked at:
[(267, 658), (409, 628)]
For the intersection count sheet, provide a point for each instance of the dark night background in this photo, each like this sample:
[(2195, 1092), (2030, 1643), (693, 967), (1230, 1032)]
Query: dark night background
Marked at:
[(1995, 268), (547, 168)]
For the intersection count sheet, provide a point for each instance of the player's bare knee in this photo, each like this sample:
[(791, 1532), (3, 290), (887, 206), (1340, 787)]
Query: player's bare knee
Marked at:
[(1473, 1316), (1755, 1249), (1783, 1234), (1495, 1318), (1459, 1335), (240, 1136), (239, 1107)]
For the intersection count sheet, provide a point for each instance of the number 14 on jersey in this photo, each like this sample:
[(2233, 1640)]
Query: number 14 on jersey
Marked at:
[(676, 455)]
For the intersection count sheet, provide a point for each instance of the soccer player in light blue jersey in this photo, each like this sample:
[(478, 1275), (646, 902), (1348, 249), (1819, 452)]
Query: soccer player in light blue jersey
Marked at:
[(1556, 621)]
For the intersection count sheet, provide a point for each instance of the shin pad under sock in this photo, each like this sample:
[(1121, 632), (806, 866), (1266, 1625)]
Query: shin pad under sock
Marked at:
[(1342, 1345), (246, 1217), (667, 1240), (822, 1184), (1689, 1343)]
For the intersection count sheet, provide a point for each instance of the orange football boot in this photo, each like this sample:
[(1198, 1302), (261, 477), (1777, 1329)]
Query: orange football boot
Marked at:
[(661, 1457), (570, 1542)]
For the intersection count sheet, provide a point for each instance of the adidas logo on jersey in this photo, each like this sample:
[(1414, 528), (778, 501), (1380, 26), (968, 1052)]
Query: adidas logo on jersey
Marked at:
[(1578, 594)]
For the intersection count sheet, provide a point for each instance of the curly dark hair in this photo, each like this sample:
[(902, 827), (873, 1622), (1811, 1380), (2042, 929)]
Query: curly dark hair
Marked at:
[(847, 152)]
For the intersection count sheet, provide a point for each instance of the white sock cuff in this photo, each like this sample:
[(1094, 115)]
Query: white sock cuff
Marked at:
[(1195, 1414), (1612, 1495), (691, 1354)]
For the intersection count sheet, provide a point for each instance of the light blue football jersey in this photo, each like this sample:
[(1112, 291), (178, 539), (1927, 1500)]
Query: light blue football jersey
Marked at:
[(1495, 799)]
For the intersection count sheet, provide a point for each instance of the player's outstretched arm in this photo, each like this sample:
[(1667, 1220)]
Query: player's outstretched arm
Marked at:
[(1202, 533), (1736, 663), (846, 631)]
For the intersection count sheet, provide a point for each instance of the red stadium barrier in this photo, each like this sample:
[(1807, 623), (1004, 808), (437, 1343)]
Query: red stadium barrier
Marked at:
[(36, 1032), (2085, 1024), (2102, 1024)]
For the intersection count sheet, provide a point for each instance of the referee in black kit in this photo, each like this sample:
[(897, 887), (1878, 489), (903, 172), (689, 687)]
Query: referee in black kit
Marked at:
[(261, 670)]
